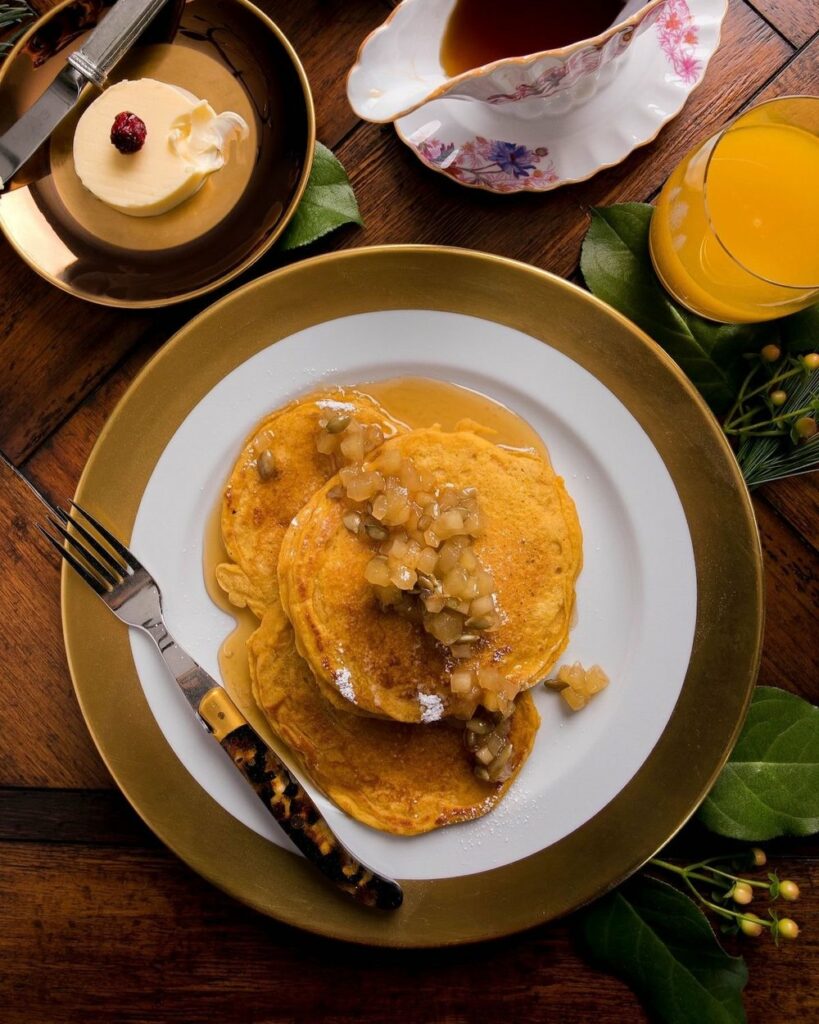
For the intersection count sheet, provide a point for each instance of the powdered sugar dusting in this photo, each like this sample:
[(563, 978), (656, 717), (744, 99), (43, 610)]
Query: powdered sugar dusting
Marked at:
[(344, 683), (432, 707), (332, 403)]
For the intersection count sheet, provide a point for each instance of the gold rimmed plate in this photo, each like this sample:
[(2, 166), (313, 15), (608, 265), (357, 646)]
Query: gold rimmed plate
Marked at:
[(226, 51), (670, 598)]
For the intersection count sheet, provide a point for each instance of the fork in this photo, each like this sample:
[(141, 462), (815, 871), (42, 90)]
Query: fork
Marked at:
[(133, 595)]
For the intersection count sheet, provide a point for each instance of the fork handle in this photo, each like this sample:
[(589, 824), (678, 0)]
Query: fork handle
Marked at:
[(288, 802)]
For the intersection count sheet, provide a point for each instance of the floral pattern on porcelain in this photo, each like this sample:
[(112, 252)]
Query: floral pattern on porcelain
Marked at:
[(492, 163), (678, 34), (564, 76), (582, 72)]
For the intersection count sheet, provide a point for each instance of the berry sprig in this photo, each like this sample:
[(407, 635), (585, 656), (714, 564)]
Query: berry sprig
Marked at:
[(726, 889), (758, 410)]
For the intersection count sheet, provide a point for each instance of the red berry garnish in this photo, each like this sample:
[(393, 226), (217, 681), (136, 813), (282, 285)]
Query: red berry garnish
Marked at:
[(128, 132)]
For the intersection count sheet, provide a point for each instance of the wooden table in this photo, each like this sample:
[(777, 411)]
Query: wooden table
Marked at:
[(98, 922)]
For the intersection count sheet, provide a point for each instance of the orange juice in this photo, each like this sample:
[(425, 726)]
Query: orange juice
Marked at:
[(735, 234)]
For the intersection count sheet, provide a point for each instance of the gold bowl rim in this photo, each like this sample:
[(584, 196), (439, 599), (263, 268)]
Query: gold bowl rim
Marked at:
[(256, 253)]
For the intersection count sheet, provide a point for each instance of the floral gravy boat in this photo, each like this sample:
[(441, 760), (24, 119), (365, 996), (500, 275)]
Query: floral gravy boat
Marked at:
[(398, 67)]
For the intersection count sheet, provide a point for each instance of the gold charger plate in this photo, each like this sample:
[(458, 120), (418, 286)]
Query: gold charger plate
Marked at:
[(226, 51), (724, 660)]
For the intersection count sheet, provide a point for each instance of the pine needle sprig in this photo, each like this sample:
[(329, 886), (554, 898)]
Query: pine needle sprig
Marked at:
[(764, 459), (12, 13)]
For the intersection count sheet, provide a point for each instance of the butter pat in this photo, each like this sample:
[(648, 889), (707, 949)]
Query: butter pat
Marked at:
[(186, 140)]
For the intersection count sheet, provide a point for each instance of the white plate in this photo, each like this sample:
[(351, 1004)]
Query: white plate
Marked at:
[(484, 146), (638, 575)]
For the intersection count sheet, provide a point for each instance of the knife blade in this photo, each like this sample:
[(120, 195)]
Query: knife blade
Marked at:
[(92, 62)]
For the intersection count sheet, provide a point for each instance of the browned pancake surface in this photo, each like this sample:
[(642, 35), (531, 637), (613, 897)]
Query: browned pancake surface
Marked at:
[(388, 666), (404, 779)]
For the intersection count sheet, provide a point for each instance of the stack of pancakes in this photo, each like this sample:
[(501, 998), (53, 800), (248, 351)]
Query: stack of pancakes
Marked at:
[(360, 694)]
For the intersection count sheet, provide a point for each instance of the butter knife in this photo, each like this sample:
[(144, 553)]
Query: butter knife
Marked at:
[(92, 63)]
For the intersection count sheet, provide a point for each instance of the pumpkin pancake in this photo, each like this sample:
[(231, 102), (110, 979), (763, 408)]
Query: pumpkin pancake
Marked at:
[(400, 778), (385, 664), (257, 510)]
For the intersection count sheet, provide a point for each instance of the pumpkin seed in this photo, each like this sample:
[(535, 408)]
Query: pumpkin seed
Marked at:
[(472, 740), (266, 465), (426, 582), (337, 424), (495, 743), (481, 773), (481, 622), (479, 725), (376, 531)]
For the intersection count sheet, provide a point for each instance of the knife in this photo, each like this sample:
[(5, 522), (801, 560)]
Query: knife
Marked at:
[(92, 63)]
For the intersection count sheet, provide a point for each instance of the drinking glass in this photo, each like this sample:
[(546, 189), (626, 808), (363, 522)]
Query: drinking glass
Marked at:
[(735, 233)]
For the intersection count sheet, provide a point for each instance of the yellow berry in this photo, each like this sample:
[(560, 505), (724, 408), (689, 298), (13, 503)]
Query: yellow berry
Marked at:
[(759, 857), (770, 353), (805, 427), (742, 893), (811, 360), (751, 926), (778, 397), (789, 890), (787, 928)]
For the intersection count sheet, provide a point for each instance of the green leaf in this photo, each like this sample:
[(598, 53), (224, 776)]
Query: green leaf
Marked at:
[(800, 332), (661, 944), (770, 785), (617, 268), (327, 203)]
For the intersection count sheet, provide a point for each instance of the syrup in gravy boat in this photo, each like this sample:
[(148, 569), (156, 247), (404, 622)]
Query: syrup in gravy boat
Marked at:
[(399, 68)]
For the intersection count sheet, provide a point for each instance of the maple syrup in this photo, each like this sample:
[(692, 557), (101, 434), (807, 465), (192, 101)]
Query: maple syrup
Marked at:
[(413, 401), (482, 31)]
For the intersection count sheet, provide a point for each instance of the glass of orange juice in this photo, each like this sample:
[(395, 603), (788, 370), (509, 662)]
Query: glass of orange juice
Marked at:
[(735, 233)]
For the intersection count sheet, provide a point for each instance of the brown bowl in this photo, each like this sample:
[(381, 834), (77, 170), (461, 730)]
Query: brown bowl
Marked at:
[(225, 51)]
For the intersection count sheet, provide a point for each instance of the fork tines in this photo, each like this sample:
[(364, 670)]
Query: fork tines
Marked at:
[(97, 564)]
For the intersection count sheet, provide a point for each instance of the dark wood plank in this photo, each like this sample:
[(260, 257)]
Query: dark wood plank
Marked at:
[(797, 20), (789, 659), (326, 35), (138, 938), (87, 816), (403, 201), (44, 739), (95, 817), (797, 500), (799, 76), (57, 463), (56, 349)]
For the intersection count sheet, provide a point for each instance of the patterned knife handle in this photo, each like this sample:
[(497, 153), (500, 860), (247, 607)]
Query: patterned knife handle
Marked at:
[(290, 805), (112, 39)]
